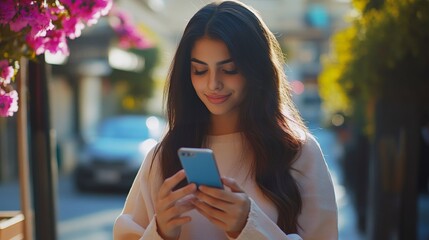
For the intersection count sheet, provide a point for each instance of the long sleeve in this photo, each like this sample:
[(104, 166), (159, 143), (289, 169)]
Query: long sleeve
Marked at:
[(137, 219), (260, 227), (318, 219)]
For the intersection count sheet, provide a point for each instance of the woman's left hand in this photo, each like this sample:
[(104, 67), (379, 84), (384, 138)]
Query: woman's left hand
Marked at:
[(226, 209)]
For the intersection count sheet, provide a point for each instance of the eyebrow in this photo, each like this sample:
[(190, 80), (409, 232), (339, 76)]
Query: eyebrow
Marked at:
[(217, 64)]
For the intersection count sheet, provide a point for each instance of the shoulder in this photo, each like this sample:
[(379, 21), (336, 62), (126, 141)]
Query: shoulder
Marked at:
[(151, 164), (310, 158), (310, 146)]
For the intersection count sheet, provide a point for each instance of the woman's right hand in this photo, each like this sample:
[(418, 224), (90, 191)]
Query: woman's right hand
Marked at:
[(170, 205)]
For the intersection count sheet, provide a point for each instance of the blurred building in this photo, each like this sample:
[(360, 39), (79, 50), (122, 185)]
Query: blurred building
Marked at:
[(82, 93), (303, 28)]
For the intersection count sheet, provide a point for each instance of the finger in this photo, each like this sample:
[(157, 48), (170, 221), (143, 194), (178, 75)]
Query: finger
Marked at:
[(174, 213), (177, 222), (177, 211), (177, 197), (170, 183), (238, 205), (232, 184), (186, 200), (209, 211), (182, 192), (212, 201), (214, 192), (212, 219), (224, 195), (173, 223)]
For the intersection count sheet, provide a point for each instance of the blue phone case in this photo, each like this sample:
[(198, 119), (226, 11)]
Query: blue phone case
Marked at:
[(200, 166)]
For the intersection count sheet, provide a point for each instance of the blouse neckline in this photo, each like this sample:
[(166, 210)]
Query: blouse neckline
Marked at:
[(232, 137)]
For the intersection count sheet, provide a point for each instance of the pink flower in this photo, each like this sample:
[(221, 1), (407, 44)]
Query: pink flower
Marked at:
[(129, 36), (72, 27), (7, 11), (88, 10), (36, 43), (27, 12), (8, 103), (55, 11), (133, 39), (40, 24), (6, 72), (55, 41)]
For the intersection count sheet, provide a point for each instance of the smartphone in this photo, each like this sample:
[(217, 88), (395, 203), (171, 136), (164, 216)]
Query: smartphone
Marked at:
[(200, 166)]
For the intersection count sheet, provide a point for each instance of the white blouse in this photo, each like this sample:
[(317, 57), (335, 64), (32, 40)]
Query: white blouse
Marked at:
[(318, 219)]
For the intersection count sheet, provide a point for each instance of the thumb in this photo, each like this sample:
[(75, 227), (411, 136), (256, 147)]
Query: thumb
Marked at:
[(232, 184)]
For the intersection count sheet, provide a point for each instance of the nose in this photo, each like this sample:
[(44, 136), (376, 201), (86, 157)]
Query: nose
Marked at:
[(214, 82)]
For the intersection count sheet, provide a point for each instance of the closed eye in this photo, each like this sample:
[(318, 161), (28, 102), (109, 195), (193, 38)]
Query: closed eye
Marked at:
[(196, 72), (231, 72)]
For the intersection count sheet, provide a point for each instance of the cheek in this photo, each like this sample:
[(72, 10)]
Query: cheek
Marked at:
[(197, 84), (238, 83)]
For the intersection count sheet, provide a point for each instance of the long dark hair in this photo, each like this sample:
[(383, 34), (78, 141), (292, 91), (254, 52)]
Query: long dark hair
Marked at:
[(266, 126)]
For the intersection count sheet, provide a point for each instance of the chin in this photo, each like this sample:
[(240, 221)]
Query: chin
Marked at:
[(220, 111), (215, 110)]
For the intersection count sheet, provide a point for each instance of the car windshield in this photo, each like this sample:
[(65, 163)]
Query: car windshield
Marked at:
[(124, 127)]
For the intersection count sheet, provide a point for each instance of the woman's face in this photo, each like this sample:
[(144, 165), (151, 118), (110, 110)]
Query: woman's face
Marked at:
[(215, 77)]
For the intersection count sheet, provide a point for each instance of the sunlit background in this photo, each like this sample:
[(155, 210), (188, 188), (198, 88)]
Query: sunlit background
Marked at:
[(105, 87)]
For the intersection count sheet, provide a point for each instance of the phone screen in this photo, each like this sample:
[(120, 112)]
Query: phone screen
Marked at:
[(200, 166)]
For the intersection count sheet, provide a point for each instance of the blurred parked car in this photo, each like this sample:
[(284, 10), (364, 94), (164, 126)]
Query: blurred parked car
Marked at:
[(113, 157)]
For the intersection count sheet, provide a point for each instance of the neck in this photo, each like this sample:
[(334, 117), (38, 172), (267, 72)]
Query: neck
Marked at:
[(224, 124)]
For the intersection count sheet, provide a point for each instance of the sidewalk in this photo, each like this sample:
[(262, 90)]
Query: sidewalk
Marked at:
[(80, 216)]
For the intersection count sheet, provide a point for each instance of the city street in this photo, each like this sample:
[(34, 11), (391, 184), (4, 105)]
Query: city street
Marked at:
[(90, 216), (87, 90), (87, 215), (82, 216)]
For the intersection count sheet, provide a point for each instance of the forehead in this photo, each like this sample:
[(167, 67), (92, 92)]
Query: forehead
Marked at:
[(210, 50)]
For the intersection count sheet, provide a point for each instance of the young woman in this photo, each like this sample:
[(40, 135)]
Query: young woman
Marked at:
[(227, 91)]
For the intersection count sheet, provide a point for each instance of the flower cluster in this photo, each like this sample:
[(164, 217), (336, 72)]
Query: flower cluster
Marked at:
[(128, 35), (31, 27), (8, 103)]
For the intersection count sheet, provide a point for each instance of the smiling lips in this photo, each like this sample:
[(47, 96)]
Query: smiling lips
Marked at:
[(217, 99)]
